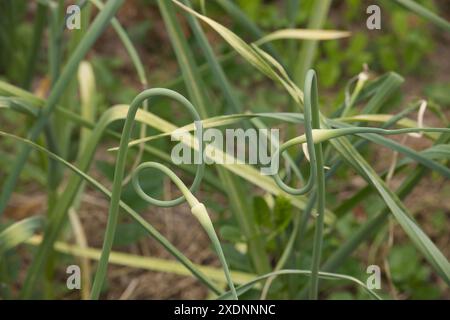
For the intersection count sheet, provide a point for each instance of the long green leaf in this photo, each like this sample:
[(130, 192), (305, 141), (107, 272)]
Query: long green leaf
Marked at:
[(91, 36), (425, 13), (240, 205), (18, 233), (323, 275), (148, 227)]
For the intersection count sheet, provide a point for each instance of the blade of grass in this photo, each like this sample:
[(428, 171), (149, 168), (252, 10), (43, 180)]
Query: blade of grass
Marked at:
[(138, 65), (241, 209), (198, 209), (425, 13), (236, 13), (375, 222), (415, 233), (145, 263), (253, 54), (18, 232), (245, 171), (148, 227), (303, 34), (308, 49), (312, 102), (323, 275), (61, 208), (119, 175), (92, 34), (86, 81), (350, 154), (33, 54), (31, 109)]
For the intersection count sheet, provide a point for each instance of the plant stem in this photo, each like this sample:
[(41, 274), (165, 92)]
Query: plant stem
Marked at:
[(92, 34), (118, 179), (240, 206), (308, 50), (311, 98)]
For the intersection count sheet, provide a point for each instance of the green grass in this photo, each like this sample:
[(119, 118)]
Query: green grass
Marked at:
[(284, 244)]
